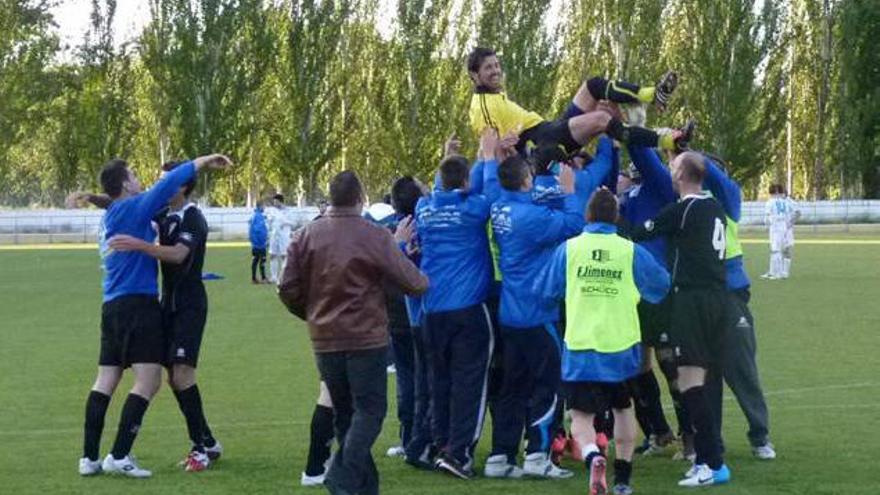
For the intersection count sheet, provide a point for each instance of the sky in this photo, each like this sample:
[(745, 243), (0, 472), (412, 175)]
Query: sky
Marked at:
[(72, 17)]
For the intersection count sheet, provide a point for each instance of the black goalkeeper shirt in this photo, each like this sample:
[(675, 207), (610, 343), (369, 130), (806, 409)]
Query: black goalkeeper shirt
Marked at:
[(182, 283), (695, 227)]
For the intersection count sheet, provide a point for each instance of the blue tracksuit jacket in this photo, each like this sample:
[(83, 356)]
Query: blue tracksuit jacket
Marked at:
[(644, 201), (729, 195)]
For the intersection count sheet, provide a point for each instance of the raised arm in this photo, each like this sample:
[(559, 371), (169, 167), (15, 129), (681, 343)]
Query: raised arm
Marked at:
[(654, 174), (725, 189), (76, 200), (556, 226), (158, 196), (592, 176)]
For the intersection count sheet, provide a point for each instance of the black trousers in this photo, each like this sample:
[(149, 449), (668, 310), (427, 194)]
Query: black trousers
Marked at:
[(359, 389)]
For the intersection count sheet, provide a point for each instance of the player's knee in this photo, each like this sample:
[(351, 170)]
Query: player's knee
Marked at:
[(182, 377), (107, 381)]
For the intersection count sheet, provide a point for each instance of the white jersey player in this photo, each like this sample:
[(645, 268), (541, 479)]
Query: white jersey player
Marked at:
[(780, 215), (281, 224)]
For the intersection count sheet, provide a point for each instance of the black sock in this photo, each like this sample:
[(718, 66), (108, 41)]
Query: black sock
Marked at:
[(589, 459), (129, 424), (622, 471), (263, 268), (648, 397), (254, 262), (96, 409), (682, 414), (321, 437), (615, 91), (190, 402), (637, 136), (706, 444)]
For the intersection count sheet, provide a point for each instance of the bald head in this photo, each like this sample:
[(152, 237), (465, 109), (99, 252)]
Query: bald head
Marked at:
[(689, 168)]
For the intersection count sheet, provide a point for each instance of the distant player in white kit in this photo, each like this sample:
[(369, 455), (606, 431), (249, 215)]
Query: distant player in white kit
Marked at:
[(780, 215), (280, 227)]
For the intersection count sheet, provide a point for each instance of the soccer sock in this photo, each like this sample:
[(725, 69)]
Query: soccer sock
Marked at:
[(254, 261), (622, 471), (96, 409), (706, 444), (129, 424), (321, 438), (588, 453), (639, 136), (619, 91), (263, 267), (190, 402), (682, 414), (648, 399)]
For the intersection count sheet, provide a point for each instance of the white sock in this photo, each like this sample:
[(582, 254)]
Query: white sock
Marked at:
[(776, 264), (588, 449), (273, 268)]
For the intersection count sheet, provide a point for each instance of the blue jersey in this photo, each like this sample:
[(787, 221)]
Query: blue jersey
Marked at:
[(451, 226), (643, 202), (729, 195), (258, 232), (527, 234), (133, 272)]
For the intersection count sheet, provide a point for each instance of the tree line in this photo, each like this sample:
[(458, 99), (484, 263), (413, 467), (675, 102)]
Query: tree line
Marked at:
[(296, 90)]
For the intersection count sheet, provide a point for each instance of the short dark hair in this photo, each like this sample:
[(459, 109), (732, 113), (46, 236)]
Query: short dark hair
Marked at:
[(405, 193), (513, 172), (602, 207), (278, 197), (113, 175), (693, 167), (171, 165), (346, 189), (476, 57), (454, 172)]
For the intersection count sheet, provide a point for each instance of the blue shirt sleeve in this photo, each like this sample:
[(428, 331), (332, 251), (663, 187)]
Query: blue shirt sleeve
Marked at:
[(651, 277), (155, 198), (491, 186), (591, 177), (475, 181), (655, 176), (554, 226), (550, 284), (610, 181), (725, 189)]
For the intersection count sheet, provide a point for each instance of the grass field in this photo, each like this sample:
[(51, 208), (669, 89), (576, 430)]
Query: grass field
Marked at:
[(818, 335)]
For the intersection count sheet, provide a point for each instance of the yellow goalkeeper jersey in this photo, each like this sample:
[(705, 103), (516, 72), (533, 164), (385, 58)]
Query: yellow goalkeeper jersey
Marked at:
[(496, 111)]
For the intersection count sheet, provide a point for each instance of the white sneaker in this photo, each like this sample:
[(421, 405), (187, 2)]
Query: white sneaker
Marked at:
[(690, 473), (88, 467), (497, 466), (765, 452), (306, 480), (214, 452), (127, 466), (396, 451), (701, 475), (538, 464), (196, 461)]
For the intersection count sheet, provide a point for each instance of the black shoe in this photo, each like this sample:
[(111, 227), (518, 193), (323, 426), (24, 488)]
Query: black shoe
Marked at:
[(664, 89), (683, 141), (448, 463)]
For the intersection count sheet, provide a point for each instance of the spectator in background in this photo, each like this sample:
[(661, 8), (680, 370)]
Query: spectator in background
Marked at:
[(258, 233)]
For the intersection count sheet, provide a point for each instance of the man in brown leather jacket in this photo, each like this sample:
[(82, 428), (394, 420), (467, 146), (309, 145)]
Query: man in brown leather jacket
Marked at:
[(333, 279)]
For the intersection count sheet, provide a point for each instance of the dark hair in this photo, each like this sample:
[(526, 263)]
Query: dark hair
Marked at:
[(602, 207), (171, 165), (278, 197), (346, 189), (476, 57), (546, 154), (693, 167), (513, 172), (454, 172), (113, 175), (405, 193)]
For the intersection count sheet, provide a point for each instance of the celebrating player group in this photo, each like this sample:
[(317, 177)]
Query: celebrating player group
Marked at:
[(538, 286)]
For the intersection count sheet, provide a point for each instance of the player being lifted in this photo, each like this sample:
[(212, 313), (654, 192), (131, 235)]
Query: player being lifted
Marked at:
[(580, 122)]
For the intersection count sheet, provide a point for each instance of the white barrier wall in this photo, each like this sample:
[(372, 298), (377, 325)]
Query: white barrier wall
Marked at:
[(41, 226)]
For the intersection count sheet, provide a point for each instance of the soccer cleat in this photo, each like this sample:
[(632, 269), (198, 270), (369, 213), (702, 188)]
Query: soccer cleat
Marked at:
[(396, 451), (683, 136), (664, 89), (446, 462), (598, 485), (497, 466), (701, 475), (622, 489), (215, 451), (88, 467), (317, 480), (196, 461), (126, 466), (538, 465), (764, 452)]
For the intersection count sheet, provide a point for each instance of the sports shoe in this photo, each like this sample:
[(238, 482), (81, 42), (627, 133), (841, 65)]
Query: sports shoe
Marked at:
[(214, 452), (769, 276), (683, 136), (497, 466), (538, 464), (664, 89), (598, 485), (703, 475), (424, 461), (396, 451), (764, 452), (196, 461), (641, 449), (446, 462), (622, 489), (317, 480), (657, 443), (88, 467), (127, 466)]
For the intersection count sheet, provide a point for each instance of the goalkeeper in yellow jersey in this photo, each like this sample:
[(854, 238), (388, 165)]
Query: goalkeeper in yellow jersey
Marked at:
[(582, 120)]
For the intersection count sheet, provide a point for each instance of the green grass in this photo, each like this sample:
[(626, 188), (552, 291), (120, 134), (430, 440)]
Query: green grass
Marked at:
[(818, 336)]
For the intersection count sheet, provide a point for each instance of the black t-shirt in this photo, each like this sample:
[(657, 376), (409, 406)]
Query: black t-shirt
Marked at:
[(182, 283), (695, 227)]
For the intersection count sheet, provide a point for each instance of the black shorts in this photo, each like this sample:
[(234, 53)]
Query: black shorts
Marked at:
[(699, 317), (548, 132), (654, 322), (258, 252), (596, 397), (131, 331), (184, 329)]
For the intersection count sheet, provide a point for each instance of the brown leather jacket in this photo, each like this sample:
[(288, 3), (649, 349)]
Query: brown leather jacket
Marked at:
[(335, 269)]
